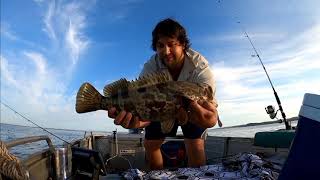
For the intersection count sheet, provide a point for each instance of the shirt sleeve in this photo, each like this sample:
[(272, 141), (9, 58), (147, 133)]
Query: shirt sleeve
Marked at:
[(206, 76), (149, 67)]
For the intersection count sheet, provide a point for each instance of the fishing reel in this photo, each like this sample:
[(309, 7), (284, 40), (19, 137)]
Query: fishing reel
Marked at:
[(271, 111)]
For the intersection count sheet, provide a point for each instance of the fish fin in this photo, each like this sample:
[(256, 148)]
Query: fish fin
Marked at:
[(151, 79), (166, 126), (88, 99), (113, 88)]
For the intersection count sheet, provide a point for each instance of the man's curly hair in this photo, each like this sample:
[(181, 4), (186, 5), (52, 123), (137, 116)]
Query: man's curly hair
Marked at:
[(170, 28)]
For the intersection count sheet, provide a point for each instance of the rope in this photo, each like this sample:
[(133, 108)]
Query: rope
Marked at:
[(10, 165)]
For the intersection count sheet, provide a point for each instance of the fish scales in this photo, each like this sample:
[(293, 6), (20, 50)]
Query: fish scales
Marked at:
[(155, 97)]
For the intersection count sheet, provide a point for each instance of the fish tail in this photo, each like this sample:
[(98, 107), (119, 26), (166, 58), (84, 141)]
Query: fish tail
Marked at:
[(89, 99)]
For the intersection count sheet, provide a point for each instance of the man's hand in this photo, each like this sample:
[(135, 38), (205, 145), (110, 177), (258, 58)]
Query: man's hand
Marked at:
[(203, 113), (126, 119), (182, 116)]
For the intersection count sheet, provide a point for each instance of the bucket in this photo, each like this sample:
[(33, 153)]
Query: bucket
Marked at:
[(62, 163), (174, 154)]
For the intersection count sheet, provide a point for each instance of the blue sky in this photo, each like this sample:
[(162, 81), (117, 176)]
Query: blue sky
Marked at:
[(49, 48)]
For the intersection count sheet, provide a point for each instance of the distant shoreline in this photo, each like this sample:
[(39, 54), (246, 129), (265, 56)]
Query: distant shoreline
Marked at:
[(14, 125), (261, 123)]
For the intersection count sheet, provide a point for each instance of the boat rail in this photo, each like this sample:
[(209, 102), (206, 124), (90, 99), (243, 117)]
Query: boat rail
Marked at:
[(25, 140), (39, 165)]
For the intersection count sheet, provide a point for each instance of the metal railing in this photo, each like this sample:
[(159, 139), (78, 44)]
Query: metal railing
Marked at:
[(25, 140)]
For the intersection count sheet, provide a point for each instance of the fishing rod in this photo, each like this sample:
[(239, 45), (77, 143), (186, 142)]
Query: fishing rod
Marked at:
[(34, 123), (270, 109)]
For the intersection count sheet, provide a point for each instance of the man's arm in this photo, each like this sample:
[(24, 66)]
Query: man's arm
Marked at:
[(203, 113)]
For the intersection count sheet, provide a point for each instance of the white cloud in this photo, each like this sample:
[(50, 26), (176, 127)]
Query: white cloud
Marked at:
[(244, 91), (40, 95), (6, 31), (39, 61), (119, 10), (64, 24), (74, 42), (6, 74), (36, 83), (48, 20)]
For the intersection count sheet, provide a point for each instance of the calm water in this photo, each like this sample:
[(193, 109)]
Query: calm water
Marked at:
[(11, 132), (248, 131)]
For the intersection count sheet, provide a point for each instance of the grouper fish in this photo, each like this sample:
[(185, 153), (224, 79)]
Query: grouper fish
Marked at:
[(155, 97)]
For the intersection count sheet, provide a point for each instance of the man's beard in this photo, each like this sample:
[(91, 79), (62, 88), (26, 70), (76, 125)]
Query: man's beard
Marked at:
[(172, 63)]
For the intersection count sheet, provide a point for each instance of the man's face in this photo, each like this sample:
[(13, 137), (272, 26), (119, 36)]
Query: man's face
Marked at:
[(170, 50)]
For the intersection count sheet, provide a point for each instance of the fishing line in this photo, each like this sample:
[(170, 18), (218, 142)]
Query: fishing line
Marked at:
[(33, 122)]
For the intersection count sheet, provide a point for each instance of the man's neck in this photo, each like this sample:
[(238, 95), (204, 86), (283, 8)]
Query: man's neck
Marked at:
[(175, 72)]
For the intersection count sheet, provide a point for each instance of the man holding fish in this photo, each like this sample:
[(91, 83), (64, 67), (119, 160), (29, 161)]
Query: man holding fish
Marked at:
[(174, 55)]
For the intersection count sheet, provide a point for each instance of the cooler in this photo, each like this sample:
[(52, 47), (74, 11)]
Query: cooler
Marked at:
[(303, 161)]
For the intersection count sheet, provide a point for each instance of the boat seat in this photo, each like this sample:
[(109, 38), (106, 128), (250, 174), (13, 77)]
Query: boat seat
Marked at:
[(274, 139), (88, 160), (303, 161)]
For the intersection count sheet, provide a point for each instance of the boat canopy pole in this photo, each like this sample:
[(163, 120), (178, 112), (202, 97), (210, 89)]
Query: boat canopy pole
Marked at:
[(288, 126)]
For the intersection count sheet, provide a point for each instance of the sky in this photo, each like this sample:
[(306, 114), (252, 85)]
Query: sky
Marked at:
[(49, 48)]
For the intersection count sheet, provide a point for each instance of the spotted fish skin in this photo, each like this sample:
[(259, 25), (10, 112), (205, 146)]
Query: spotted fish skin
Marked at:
[(159, 102), (155, 97)]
